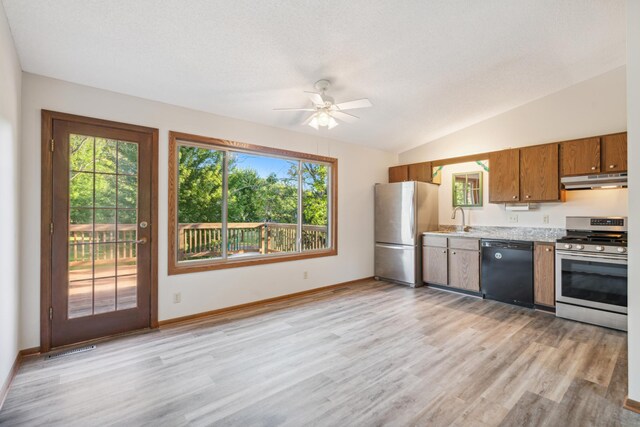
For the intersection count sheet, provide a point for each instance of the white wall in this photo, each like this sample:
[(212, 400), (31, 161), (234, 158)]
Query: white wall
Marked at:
[(594, 107), (10, 87), (359, 169), (633, 99)]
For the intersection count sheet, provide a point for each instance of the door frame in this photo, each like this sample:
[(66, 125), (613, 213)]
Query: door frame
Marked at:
[(47, 214)]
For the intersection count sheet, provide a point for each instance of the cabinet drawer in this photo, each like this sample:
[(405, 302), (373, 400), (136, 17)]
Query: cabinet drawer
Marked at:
[(464, 243), (437, 241)]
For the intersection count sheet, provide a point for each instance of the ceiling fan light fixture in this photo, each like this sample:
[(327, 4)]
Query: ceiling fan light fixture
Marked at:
[(314, 122), (323, 118), (332, 123)]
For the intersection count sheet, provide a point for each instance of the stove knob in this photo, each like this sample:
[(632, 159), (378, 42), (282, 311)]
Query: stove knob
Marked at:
[(568, 246), (579, 247), (600, 248), (622, 250)]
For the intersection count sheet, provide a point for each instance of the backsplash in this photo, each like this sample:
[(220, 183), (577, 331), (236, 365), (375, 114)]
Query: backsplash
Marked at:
[(578, 203)]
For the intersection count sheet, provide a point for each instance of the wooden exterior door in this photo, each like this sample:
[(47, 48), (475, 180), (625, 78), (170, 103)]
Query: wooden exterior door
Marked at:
[(539, 170), (102, 230), (504, 178)]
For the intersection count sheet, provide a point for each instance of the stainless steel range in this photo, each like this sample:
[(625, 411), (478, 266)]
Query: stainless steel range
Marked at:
[(591, 271)]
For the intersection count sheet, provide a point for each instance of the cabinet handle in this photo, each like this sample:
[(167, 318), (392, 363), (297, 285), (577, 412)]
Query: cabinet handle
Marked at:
[(593, 168), (528, 197), (612, 166), (444, 251), (454, 252), (548, 249), (514, 197)]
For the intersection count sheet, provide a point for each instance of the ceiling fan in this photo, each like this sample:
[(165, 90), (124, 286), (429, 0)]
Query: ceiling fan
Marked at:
[(325, 110)]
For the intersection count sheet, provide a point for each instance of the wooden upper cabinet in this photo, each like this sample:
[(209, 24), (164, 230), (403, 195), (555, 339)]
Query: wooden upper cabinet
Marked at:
[(504, 176), (539, 180), (614, 153), (399, 173), (420, 172), (580, 157)]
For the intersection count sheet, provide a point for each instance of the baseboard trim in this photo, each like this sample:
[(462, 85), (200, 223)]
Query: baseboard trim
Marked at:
[(632, 405), (7, 383), (226, 310)]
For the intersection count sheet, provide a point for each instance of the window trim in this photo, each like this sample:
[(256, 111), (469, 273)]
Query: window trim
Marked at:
[(174, 267)]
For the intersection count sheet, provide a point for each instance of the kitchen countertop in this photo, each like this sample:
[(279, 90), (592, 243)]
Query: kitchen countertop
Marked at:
[(529, 234)]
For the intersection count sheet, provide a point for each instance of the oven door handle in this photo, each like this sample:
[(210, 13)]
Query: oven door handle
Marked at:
[(574, 255)]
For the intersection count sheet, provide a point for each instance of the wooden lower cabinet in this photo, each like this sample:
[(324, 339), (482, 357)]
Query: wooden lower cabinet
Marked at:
[(453, 262), (434, 265), (464, 269), (544, 277)]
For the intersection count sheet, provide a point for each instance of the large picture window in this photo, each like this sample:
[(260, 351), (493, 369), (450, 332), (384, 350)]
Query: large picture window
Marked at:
[(233, 204)]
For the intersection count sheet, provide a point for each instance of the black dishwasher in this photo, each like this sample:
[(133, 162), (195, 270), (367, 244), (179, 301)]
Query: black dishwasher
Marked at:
[(507, 271)]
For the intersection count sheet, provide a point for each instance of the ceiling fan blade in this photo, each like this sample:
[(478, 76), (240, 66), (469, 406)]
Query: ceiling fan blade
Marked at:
[(308, 119), (345, 117), (358, 103), (294, 109), (315, 97)]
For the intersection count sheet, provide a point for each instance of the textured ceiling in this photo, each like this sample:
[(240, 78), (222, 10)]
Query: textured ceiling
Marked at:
[(429, 67)]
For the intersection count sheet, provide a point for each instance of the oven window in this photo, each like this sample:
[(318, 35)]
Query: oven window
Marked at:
[(595, 281)]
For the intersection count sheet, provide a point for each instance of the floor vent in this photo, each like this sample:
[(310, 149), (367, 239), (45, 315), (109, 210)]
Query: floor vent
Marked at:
[(70, 352)]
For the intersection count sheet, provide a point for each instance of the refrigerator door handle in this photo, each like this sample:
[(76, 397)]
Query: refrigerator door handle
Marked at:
[(397, 247)]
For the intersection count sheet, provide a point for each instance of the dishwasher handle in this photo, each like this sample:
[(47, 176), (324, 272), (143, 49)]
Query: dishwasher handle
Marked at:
[(508, 244)]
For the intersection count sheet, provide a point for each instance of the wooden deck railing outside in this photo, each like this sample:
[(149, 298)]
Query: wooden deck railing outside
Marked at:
[(195, 240)]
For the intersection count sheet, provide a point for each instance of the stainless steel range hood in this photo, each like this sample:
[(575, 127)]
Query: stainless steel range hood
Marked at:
[(593, 182)]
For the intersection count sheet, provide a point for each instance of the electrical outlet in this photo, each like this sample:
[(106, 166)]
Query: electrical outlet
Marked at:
[(177, 298), (305, 275), (545, 219), (512, 218)]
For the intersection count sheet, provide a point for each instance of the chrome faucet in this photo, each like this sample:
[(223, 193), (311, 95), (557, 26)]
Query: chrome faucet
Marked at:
[(453, 216)]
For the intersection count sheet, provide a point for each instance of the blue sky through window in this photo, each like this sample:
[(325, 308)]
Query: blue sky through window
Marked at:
[(264, 165)]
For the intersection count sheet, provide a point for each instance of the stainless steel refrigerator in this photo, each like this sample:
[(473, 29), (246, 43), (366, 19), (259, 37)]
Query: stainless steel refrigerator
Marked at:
[(403, 211)]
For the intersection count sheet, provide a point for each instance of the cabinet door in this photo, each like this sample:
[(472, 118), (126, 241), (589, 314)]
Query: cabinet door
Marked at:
[(420, 172), (614, 153), (434, 265), (464, 269), (504, 176), (580, 157), (398, 173), (544, 275), (539, 180)]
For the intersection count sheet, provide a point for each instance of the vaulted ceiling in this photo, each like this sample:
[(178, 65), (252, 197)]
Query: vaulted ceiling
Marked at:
[(430, 67)]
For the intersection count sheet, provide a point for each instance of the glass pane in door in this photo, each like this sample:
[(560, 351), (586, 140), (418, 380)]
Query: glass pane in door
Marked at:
[(103, 194)]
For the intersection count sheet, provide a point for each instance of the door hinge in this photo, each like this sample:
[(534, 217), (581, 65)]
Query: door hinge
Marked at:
[(50, 313), (51, 228), (53, 144)]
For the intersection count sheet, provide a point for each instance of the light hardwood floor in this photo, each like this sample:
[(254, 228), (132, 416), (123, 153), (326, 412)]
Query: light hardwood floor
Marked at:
[(362, 355)]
